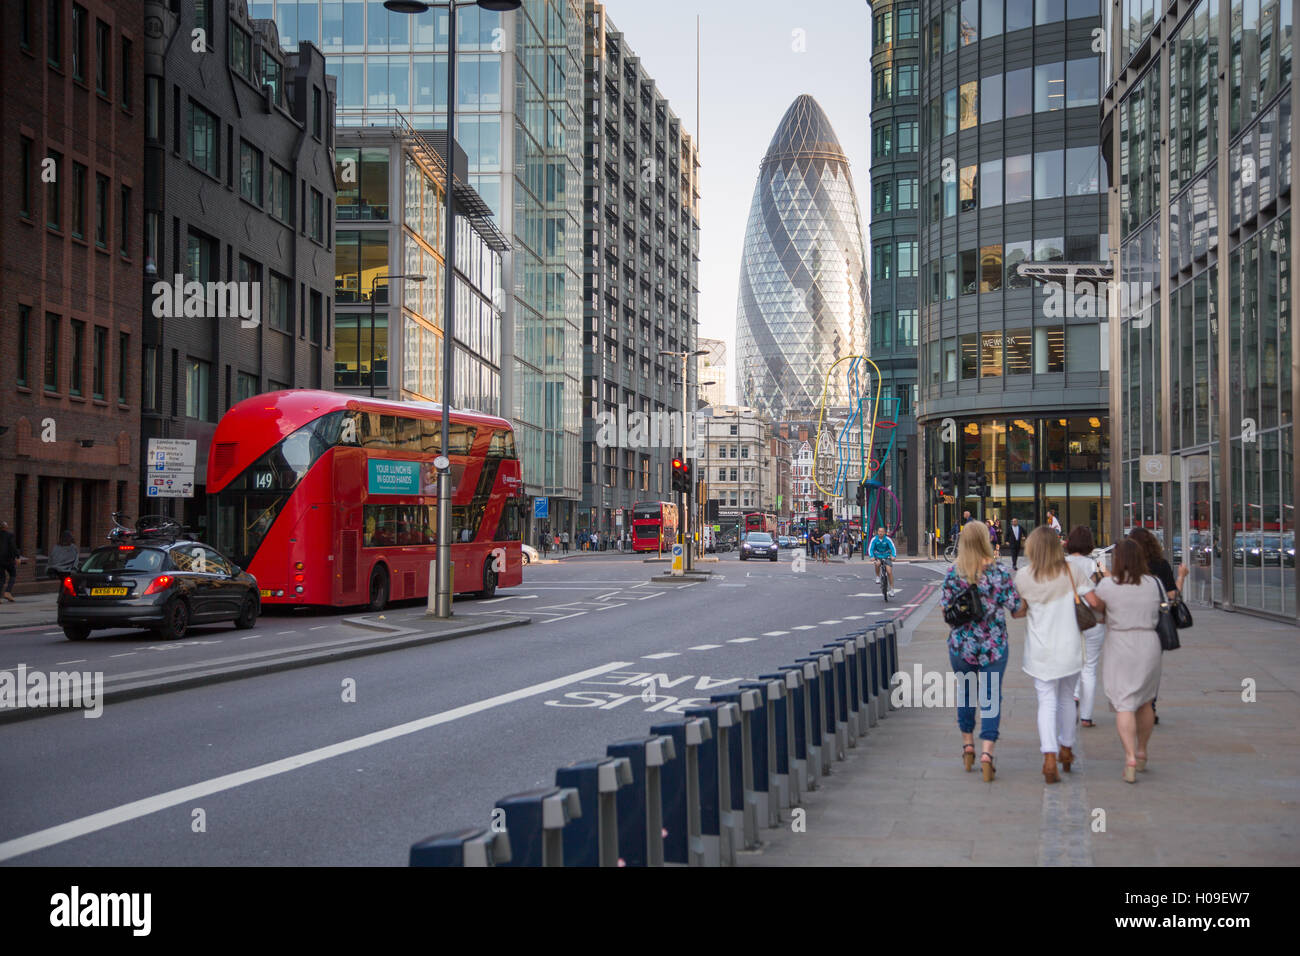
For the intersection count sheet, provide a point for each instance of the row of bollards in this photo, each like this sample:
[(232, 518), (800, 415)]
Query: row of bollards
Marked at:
[(700, 789)]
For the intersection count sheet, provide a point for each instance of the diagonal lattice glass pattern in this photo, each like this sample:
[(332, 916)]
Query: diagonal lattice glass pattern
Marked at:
[(803, 282)]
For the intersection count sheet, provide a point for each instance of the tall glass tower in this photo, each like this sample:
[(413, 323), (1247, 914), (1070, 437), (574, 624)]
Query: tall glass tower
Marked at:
[(803, 281), (519, 121)]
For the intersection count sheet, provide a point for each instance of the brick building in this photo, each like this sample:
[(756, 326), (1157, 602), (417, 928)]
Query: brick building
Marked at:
[(239, 189), (70, 260)]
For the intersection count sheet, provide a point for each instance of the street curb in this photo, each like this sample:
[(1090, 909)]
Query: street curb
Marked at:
[(293, 660), (53, 622)]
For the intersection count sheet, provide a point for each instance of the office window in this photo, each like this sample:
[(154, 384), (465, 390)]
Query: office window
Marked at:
[(100, 359), (1049, 174), (101, 211), (907, 136), (128, 75), (203, 16), (1019, 93), (884, 84), (123, 364), (241, 47), (950, 111), (1049, 250), (1049, 349), (149, 378), (1082, 171), (250, 172), (1020, 14), (969, 26), (1049, 87), (907, 79), (315, 112), (968, 105), (153, 108), (78, 200), (907, 259), (907, 194), (202, 136), (281, 194), (53, 329), (882, 140), (1083, 82), (1013, 254), (968, 188), (25, 174), (1049, 11), (281, 303), (198, 380), (990, 18), (991, 98), (970, 358), (53, 207), (362, 175), (54, 32), (316, 218), (245, 386), (990, 183), (80, 32), (906, 337), (124, 222), (882, 196), (103, 47), (1019, 179), (908, 24), (882, 260), (1018, 351), (24, 342), (950, 360), (991, 354), (25, 27), (968, 262), (78, 356)]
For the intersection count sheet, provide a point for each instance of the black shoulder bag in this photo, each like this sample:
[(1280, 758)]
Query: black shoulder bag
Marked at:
[(965, 608), (1166, 629)]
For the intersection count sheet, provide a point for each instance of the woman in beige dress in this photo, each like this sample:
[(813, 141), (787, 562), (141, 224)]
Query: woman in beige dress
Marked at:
[(1130, 664)]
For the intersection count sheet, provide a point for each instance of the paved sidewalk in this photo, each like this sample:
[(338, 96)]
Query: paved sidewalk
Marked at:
[(1222, 788), (29, 610)]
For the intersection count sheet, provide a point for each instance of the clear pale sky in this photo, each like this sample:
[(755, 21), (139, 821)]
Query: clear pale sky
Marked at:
[(750, 73)]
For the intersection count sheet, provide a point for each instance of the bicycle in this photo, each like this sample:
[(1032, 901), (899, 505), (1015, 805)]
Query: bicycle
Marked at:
[(950, 552), (886, 574)]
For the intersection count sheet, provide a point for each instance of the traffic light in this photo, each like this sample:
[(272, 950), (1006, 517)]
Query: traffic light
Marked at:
[(681, 475), (947, 484), (862, 496), (826, 512)]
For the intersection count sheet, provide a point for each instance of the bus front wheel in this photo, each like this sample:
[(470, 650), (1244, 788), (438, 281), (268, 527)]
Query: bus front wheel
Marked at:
[(489, 580), (378, 588)]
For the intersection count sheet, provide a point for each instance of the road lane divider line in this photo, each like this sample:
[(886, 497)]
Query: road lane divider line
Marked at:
[(704, 647), (742, 640), (805, 627), (774, 633), (660, 656), (84, 826)]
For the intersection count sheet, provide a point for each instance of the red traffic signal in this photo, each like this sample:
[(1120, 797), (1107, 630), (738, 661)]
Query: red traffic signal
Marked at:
[(681, 475)]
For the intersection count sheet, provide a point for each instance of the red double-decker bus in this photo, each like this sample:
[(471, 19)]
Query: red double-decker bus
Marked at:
[(329, 499), (760, 522), (654, 526)]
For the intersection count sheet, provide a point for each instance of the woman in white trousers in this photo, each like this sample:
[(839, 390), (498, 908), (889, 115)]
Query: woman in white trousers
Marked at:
[(1053, 645), (1078, 555)]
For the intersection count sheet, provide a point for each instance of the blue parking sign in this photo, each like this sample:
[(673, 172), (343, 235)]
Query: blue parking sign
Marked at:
[(541, 507)]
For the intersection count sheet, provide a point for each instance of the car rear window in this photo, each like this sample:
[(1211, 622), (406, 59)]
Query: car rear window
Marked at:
[(758, 537), (124, 558)]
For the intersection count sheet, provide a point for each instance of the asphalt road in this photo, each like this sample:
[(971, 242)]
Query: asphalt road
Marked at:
[(281, 769)]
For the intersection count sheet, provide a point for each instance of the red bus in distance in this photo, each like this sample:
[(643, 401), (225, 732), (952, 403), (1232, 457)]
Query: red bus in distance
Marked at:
[(331, 499), (654, 526), (761, 522)]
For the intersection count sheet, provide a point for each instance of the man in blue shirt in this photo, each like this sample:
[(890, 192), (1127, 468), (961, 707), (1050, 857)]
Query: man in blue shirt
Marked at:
[(883, 551)]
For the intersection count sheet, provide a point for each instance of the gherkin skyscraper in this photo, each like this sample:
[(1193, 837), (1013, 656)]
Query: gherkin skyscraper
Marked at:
[(803, 282)]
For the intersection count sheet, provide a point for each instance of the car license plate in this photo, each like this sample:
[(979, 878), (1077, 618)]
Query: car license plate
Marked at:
[(265, 592), (108, 592)]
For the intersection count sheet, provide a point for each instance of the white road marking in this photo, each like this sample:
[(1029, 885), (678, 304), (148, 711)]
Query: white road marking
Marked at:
[(704, 647), (127, 654), (832, 621), (601, 597), (742, 640), (853, 617), (609, 606), (322, 627), (653, 594), (774, 633), (185, 795), (564, 617), (50, 633), (660, 656), (80, 660), (250, 637), (280, 633), (805, 627)]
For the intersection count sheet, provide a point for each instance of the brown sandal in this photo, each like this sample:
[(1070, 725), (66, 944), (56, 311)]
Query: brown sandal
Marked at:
[(1049, 769), (987, 768), (1066, 757), (968, 756)]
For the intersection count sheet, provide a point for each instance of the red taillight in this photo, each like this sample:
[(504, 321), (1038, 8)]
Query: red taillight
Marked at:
[(126, 547), (68, 589), (160, 583)]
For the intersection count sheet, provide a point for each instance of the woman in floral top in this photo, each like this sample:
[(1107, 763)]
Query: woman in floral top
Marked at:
[(980, 647)]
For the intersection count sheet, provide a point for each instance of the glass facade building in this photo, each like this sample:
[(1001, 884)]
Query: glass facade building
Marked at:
[(1013, 376), (803, 294), (895, 226), (519, 120), (1198, 137)]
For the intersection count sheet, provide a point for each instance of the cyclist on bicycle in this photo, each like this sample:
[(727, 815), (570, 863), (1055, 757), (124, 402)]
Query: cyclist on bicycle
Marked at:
[(883, 551)]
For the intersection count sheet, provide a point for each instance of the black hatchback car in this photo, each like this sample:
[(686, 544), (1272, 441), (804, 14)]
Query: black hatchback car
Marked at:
[(758, 544), (161, 584)]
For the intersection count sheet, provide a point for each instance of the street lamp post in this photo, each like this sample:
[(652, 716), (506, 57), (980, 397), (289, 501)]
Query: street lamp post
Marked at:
[(442, 602), (374, 283)]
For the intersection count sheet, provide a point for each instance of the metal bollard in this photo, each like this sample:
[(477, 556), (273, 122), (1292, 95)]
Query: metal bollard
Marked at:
[(872, 672), (787, 779), (592, 840), (720, 829), (882, 671), (681, 791), (640, 806), (796, 701), (535, 821), (892, 630), (861, 682), (742, 809), (819, 749), (764, 724), (473, 847), (846, 734), (831, 749)]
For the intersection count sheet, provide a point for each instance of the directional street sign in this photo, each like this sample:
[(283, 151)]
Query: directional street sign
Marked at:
[(169, 467), (541, 507)]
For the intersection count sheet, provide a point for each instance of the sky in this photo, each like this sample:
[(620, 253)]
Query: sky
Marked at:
[(756, 56)]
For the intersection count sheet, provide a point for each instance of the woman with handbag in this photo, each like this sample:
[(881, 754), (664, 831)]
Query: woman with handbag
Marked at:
[(1130, 669), (1053, 644), (1158, 566), (976, 593), (1078, 550)]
